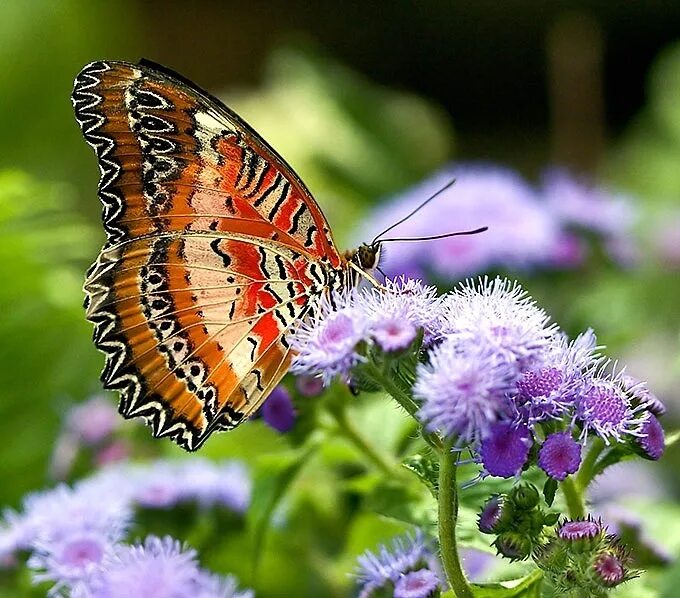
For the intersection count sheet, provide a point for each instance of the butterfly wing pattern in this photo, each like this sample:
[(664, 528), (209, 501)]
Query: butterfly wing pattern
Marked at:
[(215, 249)]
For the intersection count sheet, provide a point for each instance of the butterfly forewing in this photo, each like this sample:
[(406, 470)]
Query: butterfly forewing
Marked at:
[(214, 251)]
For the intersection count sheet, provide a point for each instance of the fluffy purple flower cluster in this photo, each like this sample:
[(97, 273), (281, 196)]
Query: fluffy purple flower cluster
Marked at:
[(548, 227), (498, 375), (328, 344), (408, 568), (71, 531), (502, 371)]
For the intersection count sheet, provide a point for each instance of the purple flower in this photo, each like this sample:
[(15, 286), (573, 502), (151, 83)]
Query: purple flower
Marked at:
[(388, 565), (498, 314), (550, 390), (580, 529), (577, 203), (462, 391), (325, 345), (394, 315), (521, 231), (158, 568), (652, 440), (416, 584), (609, 569), (157, 486), (72, 557), (490, 515), (218, 586), (93, 421), (639, 391), (278, 410), (209, 483), (505, 450), (605, 407), (309, 386), (477, 564), (560, 455)]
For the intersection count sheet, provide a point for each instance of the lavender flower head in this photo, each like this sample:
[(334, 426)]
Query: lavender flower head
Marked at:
[(218, 586), (652, 440), (607, 407), (549, 390), (505, 450), (278, 410), (406, 554), (483, 195), (500, 315), (416, 584), (395, 315), (325, 344), (159, 567), (93, 421), (462, 390), (580, 529), (609, 568), (560, 455)]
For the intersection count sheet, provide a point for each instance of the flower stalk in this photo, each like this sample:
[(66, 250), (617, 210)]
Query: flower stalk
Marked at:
[(574, 498), (448, 518)]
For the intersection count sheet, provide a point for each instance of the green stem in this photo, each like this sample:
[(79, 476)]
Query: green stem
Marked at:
[(350, 432), (448, 516), (572, 495), (585, 474)]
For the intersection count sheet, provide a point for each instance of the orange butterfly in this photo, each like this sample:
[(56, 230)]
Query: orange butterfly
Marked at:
[(215, 251)]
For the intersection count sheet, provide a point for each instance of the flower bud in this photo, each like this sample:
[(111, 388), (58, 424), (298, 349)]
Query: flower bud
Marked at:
[(609, 569), (525, 496), (581, 534), (513, 545), (490, 516)]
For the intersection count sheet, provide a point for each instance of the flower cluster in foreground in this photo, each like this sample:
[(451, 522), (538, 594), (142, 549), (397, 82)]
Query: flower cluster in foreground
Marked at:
[(76, 535), (494, 375)]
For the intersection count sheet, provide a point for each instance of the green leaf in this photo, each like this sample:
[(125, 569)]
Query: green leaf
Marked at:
[(403, 502), (672, 437), (549, 491), (273, 476), (426, 467), (527, 587)]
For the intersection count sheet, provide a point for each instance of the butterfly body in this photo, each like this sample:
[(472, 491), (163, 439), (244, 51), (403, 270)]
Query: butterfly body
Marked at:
[(215, 251)]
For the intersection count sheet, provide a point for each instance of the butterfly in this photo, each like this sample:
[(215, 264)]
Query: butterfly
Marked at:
[(215, 251)]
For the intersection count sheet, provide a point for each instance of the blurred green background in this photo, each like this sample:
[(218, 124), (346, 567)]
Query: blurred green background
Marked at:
[(363, 99)]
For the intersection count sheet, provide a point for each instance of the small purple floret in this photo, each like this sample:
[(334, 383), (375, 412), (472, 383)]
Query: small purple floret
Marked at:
[(560, 455), (278, 410), (652, 441), (505, 450), (490, 515), (309, 386), (416, 584), (580, 529), (609, 568)]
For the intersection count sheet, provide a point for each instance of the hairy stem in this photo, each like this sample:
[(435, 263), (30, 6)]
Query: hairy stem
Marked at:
[(448, 517), (572, 494), (351, 433)]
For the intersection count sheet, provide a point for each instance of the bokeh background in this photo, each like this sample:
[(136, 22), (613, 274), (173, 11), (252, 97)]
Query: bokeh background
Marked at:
[(364, 100)]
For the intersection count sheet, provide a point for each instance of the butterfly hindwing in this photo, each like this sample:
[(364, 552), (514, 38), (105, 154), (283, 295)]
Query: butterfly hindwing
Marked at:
[(193, 331)]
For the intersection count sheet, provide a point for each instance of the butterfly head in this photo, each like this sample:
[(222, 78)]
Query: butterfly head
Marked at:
[(366, 257)]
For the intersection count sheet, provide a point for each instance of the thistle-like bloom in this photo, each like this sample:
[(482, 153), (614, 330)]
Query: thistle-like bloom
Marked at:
[(580, 529), (609, 569), (218, 586), (157, 568), (416, 584), (499, 315), (278, 410), (640, 391), (549, 391), (652, 440), (325, 344), (506, 449), (408, 553), (462, 391), (309, 386), (606, 407), (560, 455)]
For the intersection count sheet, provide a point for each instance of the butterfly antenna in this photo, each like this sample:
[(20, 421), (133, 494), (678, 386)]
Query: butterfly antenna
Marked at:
[(442, 236), (420, 207)]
